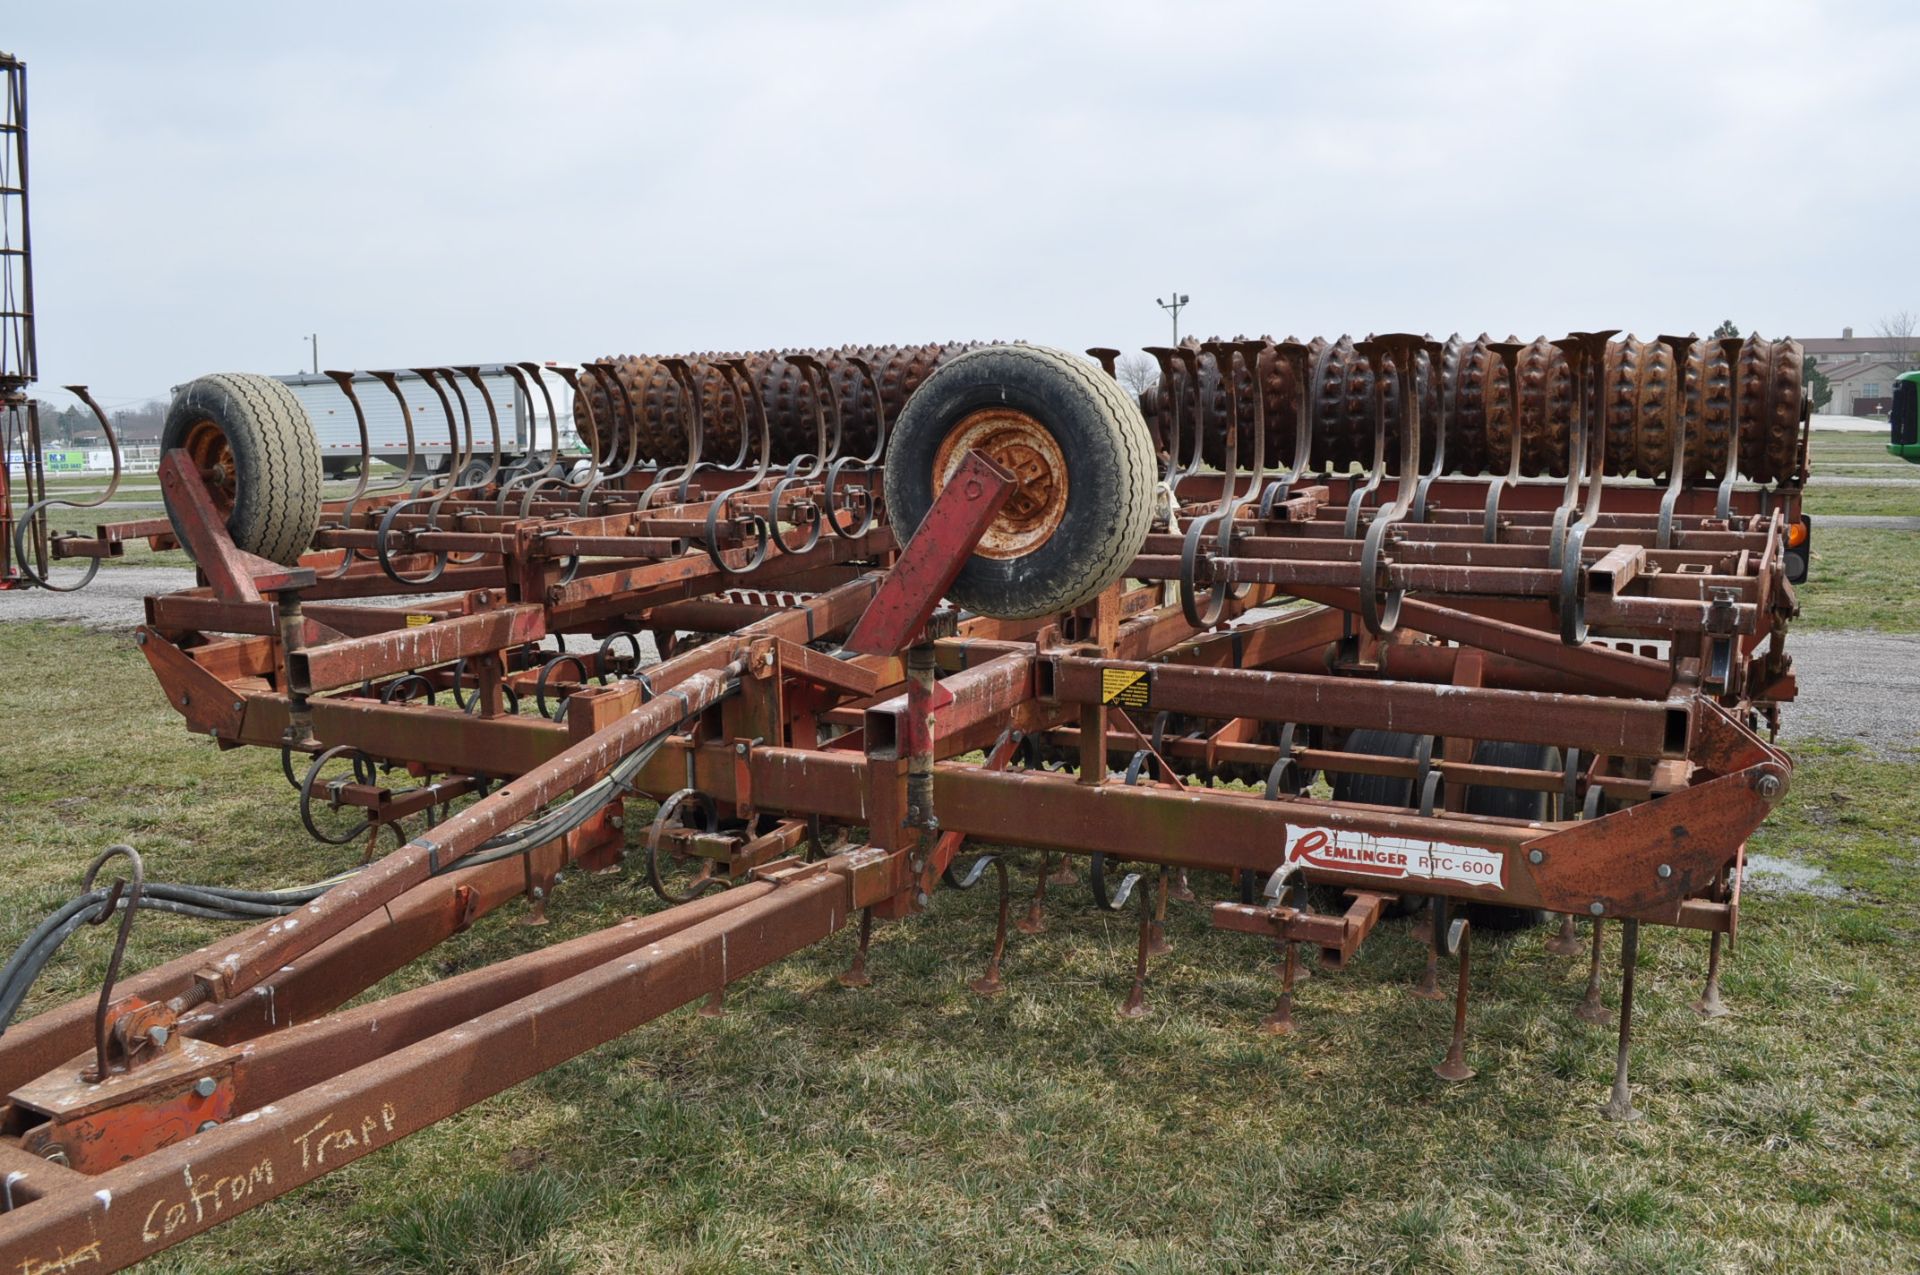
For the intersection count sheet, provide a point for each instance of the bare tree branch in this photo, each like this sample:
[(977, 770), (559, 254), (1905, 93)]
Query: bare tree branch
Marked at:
[(1137, 372), (1898, 329)]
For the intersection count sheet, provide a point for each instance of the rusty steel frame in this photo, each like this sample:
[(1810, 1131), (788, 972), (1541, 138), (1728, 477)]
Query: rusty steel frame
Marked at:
[(1263, 623)]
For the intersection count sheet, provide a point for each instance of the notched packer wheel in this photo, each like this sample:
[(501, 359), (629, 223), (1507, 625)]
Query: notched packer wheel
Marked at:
[(1082, 456), (258, 456)]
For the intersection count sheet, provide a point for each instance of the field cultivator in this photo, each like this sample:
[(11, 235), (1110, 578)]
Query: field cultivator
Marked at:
[(1486, 633)]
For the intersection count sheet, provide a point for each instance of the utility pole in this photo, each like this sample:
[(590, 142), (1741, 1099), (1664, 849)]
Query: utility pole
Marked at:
[(1173, 308), (314, 339)]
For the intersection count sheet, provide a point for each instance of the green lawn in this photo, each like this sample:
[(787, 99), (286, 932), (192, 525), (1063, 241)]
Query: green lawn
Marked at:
[(1862, 579), (914, 1126)]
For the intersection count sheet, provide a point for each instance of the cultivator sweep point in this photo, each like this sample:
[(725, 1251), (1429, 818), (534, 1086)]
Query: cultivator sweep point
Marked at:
[(1478, 631)]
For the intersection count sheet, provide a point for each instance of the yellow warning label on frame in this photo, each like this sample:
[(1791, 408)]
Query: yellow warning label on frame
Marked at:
[(416, 620), (1126, 687)]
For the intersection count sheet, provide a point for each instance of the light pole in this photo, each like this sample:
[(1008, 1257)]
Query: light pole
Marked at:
[(314, 339), (1173, 308)]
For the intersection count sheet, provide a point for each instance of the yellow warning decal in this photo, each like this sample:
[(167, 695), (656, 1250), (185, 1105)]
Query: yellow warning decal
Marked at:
[(1127, 687), (416, 620)]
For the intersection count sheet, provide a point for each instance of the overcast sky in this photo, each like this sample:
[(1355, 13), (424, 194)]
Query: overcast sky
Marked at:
[(447, 183)]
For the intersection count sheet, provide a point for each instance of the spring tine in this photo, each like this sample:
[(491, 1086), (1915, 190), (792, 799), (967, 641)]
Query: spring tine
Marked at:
[(537, 373), (31, 526), (1164, 355), (1454, 1066), (1449, 413), (571, 375), (879, 408), (1590, 1009), (455, 458), (1566, 940), (1294, 354), (460, 432), (1619, 1105), (345, 381), (813, 374), (101, 1069), (1135, 1006), (856, 975), (1710, 1005), (1723, 502), (1377, 471), (1403, 350), (989, 983), (1508, 353), (391, 381), (1679, 414), (532, 473), (1035, 921), (742, 385), (1428, 989), (1280, 1021), (498, 462), (609, 384), (687, 397), (1160, 946)]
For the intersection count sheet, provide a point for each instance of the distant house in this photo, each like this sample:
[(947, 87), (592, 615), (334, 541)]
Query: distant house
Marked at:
[(1860, 370)]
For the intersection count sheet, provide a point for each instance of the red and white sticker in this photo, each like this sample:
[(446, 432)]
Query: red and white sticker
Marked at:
[(1395, 858)]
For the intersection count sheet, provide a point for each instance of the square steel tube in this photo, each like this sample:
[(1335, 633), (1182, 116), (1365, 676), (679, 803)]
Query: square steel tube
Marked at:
[(1589, 723)]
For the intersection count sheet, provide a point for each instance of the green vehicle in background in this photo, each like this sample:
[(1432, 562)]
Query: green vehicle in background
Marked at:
[(1905, 442)]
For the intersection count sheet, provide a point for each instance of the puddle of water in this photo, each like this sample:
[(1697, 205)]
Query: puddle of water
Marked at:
[(1789, 876)]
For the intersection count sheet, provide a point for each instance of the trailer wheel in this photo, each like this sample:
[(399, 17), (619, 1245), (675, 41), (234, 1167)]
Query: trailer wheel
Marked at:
[(1510, 803), (1080, 450), (1376, 790), (258, 455)]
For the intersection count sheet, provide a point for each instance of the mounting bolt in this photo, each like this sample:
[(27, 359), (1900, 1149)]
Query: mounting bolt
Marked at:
[(158, 1035), (922, 899), (740, 749), (1768, 787), (205, 1087), (55, 1154), (616, 821), (140, 638), (933, 823), (185, 699), (558, 877), (1664, 871), (238, 707), (538, 893), (1535, 856), (1597, 908), (206, 1125), (917, 863)]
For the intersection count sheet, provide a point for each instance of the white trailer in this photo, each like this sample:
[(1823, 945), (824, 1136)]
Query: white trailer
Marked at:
[(524, 424)]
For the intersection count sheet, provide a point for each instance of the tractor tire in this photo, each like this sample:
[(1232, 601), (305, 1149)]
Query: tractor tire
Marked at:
[(1379, 790), (1376, 790), (1509, 803), (257, 452), (1080, 449)]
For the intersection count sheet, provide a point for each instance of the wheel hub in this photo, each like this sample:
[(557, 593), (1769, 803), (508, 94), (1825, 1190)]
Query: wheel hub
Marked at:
[(1025, 448), (206, 443)]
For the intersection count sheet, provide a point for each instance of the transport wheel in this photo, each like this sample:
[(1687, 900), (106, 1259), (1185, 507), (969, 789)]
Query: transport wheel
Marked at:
[(1510, 803), (1375, 790), (257, 453), (1080, 450)]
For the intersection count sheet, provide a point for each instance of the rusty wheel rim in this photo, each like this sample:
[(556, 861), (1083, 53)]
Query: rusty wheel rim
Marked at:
[(206, 444), (1026, 449)]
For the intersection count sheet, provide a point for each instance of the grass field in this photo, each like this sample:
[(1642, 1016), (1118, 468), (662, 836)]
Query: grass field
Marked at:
[(915, 1126)]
